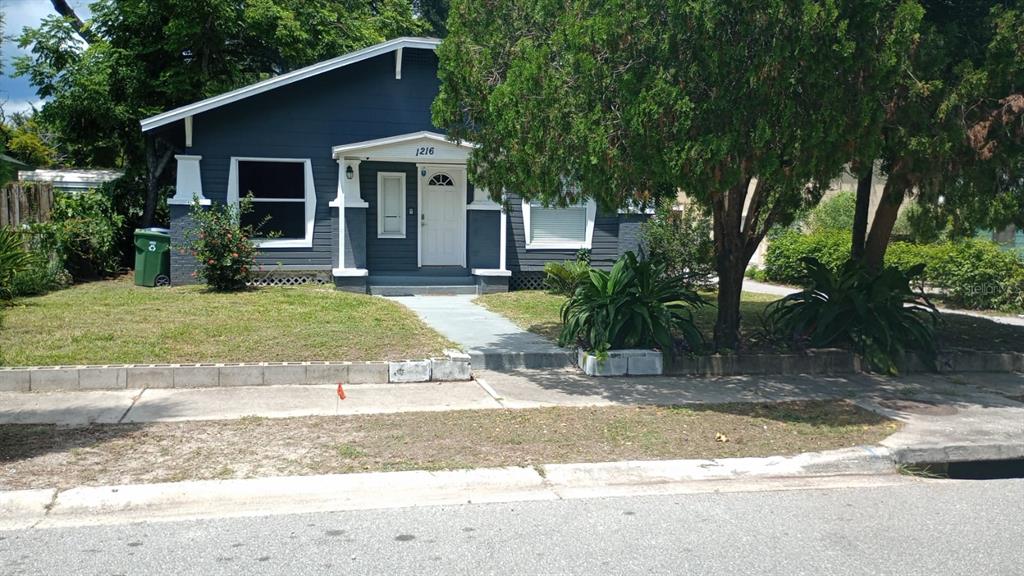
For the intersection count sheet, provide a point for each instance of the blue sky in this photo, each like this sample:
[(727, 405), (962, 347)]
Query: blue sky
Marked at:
[(15, 93)]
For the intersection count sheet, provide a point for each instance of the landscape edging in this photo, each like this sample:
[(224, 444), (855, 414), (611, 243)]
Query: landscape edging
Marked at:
[(834, 361), (453, 366)]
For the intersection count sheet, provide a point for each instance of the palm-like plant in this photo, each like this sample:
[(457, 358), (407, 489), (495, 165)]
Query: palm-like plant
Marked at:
[(13, 259), (633, 305), (878, 314)]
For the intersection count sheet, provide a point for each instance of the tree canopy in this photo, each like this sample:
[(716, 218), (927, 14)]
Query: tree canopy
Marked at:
[(749, 109)]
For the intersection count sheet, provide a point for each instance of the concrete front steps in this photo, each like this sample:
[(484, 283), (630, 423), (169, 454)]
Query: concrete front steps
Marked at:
[(434, 285)]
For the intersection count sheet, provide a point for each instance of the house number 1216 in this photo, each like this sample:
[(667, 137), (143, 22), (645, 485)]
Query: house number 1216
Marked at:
[(425, 151)]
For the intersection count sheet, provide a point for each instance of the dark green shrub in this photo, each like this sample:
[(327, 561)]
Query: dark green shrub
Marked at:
[(635, 305), (222, 247), (835, 213), (878, 315), (977, 274), (14, 259), (83, 233), (682, 241), (44, 272), (783, 261), (565, 277)]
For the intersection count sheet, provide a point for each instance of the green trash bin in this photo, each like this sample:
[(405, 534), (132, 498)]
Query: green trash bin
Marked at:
[(152, 257)]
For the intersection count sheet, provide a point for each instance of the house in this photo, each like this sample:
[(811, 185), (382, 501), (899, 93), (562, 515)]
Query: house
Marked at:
[(362, 188)]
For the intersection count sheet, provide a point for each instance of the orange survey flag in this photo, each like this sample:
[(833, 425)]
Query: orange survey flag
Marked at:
[(341, 391)]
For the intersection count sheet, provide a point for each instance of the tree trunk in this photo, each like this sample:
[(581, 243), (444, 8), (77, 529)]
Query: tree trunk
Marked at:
[(730, 262), (883, 222), (860, 216), (65, 10), (156, 162), (730, 286)]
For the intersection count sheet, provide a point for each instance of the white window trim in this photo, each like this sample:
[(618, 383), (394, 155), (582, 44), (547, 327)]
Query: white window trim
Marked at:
[(380, 202), (310, 201), (591, 207)]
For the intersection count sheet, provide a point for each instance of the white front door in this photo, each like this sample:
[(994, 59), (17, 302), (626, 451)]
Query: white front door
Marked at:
[(443, 218)]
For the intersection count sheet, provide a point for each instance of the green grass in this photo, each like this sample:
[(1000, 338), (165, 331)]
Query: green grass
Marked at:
[(538, 312), (35, 456), (114, 321)]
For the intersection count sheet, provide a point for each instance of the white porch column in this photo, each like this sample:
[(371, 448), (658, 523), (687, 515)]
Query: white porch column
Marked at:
[(503, 239), (348, 196), (189, 183)]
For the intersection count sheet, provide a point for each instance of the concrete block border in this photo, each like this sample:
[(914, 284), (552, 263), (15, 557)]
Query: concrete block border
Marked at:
[(821, 362), (453, 366), (629, 362)]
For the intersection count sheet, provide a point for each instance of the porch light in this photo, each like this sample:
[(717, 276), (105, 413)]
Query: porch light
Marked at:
[(349, 172)]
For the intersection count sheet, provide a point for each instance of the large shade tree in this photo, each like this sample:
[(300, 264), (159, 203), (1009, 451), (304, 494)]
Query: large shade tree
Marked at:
[(135, 58), (954, 129), (748, 107)]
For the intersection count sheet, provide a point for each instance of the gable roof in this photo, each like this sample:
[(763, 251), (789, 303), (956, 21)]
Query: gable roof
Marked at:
[(285, 79), (378, 143)]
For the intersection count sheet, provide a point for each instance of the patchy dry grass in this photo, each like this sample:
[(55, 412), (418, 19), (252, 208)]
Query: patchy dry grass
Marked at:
[(48, 456), (538, 312), (534, 310), (116, 322)]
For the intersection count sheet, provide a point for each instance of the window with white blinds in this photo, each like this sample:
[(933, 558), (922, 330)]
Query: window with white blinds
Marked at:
[(390, 205), (558, 228), (558, 225)]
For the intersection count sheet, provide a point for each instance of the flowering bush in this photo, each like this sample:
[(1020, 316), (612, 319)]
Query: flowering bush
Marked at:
[(222, 247)]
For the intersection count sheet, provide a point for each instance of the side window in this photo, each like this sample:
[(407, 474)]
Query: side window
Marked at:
[(390, 205)]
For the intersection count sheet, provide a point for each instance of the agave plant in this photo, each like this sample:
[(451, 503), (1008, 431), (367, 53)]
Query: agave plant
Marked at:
[(13, 259), (878, 314), (565, 277), (634, 305)]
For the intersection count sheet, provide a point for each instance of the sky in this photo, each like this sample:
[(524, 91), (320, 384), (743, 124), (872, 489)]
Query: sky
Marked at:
[(15, 93)]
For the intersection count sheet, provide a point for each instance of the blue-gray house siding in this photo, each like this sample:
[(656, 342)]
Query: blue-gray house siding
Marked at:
[(304, 120)]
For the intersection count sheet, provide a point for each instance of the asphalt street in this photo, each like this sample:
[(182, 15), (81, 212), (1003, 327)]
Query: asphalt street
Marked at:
[(914, 527)]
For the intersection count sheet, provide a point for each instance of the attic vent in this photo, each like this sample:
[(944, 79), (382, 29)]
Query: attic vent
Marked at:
[(441, 179)]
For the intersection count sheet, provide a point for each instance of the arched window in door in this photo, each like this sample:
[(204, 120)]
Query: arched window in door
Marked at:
[(441, 179)]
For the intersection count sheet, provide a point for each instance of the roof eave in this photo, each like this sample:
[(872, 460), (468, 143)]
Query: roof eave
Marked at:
[(183, 112)]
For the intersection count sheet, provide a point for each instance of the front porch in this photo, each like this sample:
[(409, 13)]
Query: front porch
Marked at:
[(408, 220)]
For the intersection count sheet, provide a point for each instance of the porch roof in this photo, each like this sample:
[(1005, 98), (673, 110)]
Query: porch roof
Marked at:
[(424, 146)]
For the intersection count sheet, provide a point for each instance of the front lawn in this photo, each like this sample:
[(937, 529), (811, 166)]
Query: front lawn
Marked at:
[(538, 312), (115, 322), (34, 456)]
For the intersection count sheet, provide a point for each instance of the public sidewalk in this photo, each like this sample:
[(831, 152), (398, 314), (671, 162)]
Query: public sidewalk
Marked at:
[(780, 291), (980, 416), (491, 340)]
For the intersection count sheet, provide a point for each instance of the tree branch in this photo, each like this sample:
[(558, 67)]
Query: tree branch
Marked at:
[(65, 10)]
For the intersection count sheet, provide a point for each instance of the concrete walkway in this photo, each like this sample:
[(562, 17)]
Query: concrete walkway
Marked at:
[(492, 341), (980, 416)]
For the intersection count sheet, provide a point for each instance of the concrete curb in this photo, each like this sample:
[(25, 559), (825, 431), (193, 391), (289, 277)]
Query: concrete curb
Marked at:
[(453, 366), (508, 361), (297, 494), (921, 455), (837, 362)]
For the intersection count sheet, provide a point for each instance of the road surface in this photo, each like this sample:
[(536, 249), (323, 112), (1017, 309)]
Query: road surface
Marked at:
[(913, 527)]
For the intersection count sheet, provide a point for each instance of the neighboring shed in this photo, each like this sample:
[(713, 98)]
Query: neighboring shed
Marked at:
[(70, 180)]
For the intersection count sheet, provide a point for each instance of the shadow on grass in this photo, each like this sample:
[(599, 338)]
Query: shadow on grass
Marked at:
[(817, 413), (972, 332)]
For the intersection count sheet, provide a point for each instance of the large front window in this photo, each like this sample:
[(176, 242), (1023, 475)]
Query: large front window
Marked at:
[(283, 199)]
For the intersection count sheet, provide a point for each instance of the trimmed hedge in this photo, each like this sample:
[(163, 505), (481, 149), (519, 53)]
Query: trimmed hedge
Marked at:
[(782, 260), (974, 274)]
